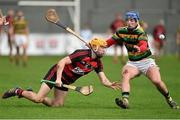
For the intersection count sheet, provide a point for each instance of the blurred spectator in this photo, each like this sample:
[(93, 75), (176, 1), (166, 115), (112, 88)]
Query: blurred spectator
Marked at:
[(1, 18), (21, 32), (9, 19), (144, 25), (159, 34), (178, 42), (1, 21), (87, 34), (115, 25)]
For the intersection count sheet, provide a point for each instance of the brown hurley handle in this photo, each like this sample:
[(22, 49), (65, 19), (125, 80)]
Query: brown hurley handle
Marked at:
[(85, 90), (69, 86), (75, 34), (52, 17)]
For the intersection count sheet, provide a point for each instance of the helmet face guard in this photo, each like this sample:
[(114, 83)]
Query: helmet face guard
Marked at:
[(132, 15), (96, 43)]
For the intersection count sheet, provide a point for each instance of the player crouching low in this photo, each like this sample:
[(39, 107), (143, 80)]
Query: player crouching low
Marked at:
[(67, 71), (140, 62)]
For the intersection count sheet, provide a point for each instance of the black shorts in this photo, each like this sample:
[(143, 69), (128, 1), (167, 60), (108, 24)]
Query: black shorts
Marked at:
[(51, 76)]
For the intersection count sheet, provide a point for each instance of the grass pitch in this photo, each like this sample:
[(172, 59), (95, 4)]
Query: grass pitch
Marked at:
[(145, 101)]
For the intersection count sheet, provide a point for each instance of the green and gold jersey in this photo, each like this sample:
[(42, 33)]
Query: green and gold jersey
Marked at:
[(131, 38), (20, 26)]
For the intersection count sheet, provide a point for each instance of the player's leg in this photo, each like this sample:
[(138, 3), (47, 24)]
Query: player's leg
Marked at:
[(59, 92), (10, 47), (161, 47), (123, 59), (30, 95), (39, 97), (128, 73), (24, 45), (158, 49), (58, 100), (178, 52), (154, 75), (115, 57), (17, 56), (24, 56), (17, 41)]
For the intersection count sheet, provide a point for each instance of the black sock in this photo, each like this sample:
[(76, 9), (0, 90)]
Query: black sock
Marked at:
[(125, 95), (167, 95)]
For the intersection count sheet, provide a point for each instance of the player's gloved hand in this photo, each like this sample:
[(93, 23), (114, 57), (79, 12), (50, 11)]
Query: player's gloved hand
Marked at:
[(116, 85), (59, 83)]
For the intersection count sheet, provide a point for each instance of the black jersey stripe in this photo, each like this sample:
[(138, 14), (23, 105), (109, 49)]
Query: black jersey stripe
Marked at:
[(79, 53)]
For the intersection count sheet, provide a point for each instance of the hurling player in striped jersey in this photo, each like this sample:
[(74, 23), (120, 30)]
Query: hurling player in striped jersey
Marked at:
[(140, 62), (67, 71)]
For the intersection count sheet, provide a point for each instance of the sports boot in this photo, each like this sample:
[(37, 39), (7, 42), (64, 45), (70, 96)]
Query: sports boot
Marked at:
[(10, 93), (172, 103), (123, 103)]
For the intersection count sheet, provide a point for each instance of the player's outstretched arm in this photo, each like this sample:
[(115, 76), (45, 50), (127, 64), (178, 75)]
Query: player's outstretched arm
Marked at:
[(60, 67), (104, 80)]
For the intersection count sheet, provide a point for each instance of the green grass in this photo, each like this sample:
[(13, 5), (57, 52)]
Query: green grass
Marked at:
[(145, 101)]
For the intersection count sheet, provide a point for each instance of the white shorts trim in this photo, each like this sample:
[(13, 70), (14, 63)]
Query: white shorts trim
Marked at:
[(142, 65), (20, 39)]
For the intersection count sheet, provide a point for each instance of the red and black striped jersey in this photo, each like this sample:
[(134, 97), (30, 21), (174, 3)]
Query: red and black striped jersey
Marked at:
[(10, 20), (82, 63)]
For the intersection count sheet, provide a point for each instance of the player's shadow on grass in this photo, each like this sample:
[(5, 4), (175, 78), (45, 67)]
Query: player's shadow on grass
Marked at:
[(85, 105), (90, 105), (23, 106)]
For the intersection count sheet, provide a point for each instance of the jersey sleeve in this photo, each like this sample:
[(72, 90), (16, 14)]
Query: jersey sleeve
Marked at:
[(99, 67), (143, 37), (110, 42), (115, 36)]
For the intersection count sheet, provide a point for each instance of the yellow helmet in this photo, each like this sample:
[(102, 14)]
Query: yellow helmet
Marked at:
[(97, 42)]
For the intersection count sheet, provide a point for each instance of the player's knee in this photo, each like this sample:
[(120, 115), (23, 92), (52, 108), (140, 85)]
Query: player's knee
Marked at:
[(38, 100), (125, 74), (57, 104)]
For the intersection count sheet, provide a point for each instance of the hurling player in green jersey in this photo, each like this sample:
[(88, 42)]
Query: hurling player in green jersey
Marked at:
[(136, 42)]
